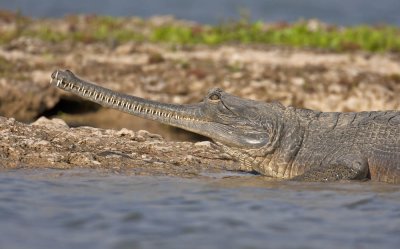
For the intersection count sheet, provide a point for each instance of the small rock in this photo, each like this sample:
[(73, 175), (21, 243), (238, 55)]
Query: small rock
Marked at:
[(125, 132), (55, 123), (42, 143), (203, 143), (11, 121), (53, 157), (298, 81), (125, 49), (146, 134), (188, 158), (81, 159)]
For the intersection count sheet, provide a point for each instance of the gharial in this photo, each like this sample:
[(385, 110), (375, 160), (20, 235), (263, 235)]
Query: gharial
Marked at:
[(269, 138)]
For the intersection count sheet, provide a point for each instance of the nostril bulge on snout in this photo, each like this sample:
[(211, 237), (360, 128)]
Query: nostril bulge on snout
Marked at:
[(54, 75)]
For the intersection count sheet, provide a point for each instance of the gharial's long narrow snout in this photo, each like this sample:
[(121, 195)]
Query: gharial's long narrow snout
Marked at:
[(162, 112)]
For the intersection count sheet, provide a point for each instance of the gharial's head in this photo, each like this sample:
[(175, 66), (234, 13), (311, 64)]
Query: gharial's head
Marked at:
[(239, 124)]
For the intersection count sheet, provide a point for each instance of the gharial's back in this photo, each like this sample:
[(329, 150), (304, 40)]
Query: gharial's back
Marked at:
[(363, 139)]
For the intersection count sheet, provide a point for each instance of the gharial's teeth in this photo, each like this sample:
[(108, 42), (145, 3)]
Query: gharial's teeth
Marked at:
[(59, 82)]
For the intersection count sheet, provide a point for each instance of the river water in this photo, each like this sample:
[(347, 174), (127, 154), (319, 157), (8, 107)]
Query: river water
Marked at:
[(82, 209), (347, 12)]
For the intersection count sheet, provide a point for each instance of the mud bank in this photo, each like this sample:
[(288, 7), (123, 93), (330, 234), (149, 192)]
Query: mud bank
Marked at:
[(52, 144)]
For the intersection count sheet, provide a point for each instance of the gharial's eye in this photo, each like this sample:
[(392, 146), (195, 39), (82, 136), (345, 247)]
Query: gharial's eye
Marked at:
[(214, 97)]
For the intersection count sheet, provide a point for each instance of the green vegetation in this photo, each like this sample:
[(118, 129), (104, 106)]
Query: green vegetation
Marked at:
[(302, 34), (297, 35)]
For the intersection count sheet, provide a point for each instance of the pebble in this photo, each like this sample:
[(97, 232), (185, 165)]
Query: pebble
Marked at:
[(203, 143)]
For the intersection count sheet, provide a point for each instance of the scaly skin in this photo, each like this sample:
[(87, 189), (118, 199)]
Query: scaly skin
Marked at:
[(269, 138)]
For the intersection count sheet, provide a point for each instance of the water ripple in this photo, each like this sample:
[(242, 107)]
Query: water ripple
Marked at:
[(92, 211)]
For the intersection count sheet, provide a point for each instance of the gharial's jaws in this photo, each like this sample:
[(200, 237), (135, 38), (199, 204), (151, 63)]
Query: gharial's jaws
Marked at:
[(66, 80)]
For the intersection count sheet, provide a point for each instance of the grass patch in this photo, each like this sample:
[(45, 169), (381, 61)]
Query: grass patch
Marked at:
[(303, 34), (299, 35)]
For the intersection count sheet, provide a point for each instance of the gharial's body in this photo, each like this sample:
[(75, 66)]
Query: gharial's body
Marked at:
[(271, 139)]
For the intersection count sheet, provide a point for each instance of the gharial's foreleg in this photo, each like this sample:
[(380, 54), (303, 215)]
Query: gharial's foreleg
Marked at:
[(350, 167)]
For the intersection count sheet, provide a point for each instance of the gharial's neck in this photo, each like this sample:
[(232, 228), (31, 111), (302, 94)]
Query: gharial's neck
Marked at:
[(278, 160)]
